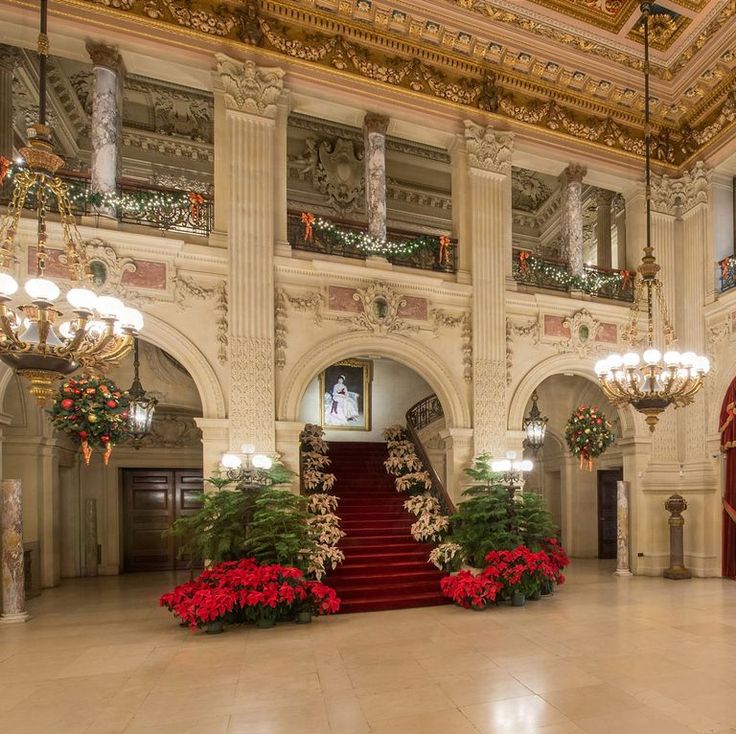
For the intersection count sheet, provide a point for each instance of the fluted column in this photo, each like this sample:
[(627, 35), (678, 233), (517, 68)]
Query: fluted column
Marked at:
[(106, 116), (489, 190), (374, 132), (603, 229), (571, 181), (8, 62), (11, 552), (251, 95)]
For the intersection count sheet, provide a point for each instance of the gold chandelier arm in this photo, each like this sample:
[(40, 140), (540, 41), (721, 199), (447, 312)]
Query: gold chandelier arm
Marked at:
[(668, 329), (75, 252), (9, 229)]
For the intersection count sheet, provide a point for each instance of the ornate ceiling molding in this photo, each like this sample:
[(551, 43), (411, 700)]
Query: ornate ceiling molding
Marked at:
[(319, 38)]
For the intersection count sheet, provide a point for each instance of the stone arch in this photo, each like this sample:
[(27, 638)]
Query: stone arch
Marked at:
[(557, 364), (406, 351)]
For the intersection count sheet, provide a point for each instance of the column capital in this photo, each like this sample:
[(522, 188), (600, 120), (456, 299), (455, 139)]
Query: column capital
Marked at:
[(375, 123), (488, 149), (676, 196), (105, 56), (574, 173), (9, 57), (248, 87)]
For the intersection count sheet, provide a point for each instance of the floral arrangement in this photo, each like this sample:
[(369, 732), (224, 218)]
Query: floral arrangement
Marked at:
[(93, 410), (521, 570), (412, 478), (447, 556), (244, 591), (318, 483), (472, 591), (588, 434)]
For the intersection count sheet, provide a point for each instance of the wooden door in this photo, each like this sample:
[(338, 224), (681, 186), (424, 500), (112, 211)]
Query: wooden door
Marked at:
[(607, 511), (152, 500)]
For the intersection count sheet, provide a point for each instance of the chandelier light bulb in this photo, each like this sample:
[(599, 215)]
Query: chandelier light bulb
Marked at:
[(527, 465), (110, 307), (615, 361), (501, 465), (132, 318), (703, 365), (230, 461), (41, 289), (601, 367), (262, 462), (652, 356), (82, 299), (631, 359), (65, 329), (688, 359), (8, 285)]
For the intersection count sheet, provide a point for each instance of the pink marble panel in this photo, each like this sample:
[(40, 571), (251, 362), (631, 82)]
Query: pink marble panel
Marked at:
[(341, 299), (553, 326), (55, 268), (147, 274), (607, 333), (415, 308)]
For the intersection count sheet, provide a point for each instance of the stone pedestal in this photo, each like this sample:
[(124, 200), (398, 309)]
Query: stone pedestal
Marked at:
[(374, 130), (106, 119), (8, 61), (676, 505), (622, 530), (571, 181), (11, 550), (90, 537)]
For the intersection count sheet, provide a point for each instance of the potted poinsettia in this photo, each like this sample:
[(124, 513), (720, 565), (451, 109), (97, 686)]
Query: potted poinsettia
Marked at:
[(473, 591)]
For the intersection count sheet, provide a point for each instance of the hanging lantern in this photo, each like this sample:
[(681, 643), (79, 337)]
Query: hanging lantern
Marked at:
[(141, 408), (535, 427)]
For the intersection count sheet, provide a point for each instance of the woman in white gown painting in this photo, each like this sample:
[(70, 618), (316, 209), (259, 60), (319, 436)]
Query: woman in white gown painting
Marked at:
[(344, 407)]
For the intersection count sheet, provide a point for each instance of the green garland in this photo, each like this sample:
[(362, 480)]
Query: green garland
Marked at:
[(93, 410), (588, 434), (372, 245)]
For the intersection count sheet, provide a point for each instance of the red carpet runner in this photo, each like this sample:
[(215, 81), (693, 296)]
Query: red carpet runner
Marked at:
[(384, 568)]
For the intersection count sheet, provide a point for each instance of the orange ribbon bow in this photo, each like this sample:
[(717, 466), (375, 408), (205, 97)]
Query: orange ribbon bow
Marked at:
[(444, 253), (524, 255), (195, 202)]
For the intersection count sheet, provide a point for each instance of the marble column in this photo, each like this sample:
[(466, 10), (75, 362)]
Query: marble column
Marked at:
[(622, 530), (571, 181), (619, 210), (90, 537), (106, 120), (251, 95), (11, 548), (8, 62), (374, 133), (603, 229), (489, 199)]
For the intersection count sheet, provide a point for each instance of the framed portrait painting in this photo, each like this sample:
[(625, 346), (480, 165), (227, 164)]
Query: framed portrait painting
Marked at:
[(345, 395)]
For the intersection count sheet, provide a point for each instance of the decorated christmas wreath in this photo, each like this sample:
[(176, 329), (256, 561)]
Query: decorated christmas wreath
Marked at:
[(93, 410), (588, 434)]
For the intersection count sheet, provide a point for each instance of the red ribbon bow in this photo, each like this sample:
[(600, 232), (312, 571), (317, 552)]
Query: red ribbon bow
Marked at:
[(625, 277), (524, 255), (308, 221), (444, 253), (195, 202)]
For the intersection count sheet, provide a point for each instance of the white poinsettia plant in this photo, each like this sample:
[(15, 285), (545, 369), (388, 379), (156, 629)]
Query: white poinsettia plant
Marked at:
[(423, 504), (447, 556), (430, 527), (419, 481), (318, 483)]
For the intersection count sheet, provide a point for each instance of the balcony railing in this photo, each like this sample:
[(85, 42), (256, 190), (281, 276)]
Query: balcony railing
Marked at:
[(539, 272), (348, 239), (728, 272), (168, 210)]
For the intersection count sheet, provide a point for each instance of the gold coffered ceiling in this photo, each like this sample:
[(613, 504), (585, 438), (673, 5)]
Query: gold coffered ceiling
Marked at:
[(538, 63)]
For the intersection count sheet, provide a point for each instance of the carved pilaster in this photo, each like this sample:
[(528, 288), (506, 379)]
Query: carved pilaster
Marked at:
[(489, 406), (248, 87), (571, 181)]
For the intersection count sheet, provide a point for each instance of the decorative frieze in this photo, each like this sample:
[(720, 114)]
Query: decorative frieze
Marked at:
[(464, 321)]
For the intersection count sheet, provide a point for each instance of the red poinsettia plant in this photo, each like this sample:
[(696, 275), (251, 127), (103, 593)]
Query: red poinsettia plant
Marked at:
[(558, 558), (244, 591), (521, 570), (93, 410), (472, 591)]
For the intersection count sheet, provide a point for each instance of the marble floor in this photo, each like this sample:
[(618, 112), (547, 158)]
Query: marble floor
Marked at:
[(603, 655)]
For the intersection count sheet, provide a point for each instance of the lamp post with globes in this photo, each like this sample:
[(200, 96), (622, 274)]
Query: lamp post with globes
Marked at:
[(513, 471), (248, 469)]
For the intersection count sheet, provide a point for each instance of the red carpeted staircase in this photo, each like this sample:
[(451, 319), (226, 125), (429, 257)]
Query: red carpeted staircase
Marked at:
[(384, 567)]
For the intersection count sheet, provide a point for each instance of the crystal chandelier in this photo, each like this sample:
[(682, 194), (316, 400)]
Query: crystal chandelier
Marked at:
[(651, 381), (141, 407), (535, 427), (40, 339)]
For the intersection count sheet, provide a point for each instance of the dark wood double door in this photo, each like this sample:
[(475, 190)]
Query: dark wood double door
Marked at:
[(152, 500), (608, 511)]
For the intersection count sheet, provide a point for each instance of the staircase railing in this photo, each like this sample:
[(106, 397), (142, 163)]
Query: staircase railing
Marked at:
[(419, 416)]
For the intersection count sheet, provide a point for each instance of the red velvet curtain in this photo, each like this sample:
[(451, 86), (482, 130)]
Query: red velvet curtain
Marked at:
[(728, 444)]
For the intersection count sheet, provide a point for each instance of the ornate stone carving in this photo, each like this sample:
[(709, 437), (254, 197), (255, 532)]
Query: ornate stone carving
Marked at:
[(177, 113), (488, 149), (675, 196), (279, 328), (489, 406), (194, 151), (9, 57), (173, 431), (380, 314), (250, 88), (531, 330), (188, 287), (583, 328), (464, 321), (252, 407), (104, 55)]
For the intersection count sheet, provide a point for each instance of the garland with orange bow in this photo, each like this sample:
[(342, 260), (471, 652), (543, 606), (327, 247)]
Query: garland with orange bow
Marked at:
[(195, 204)]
